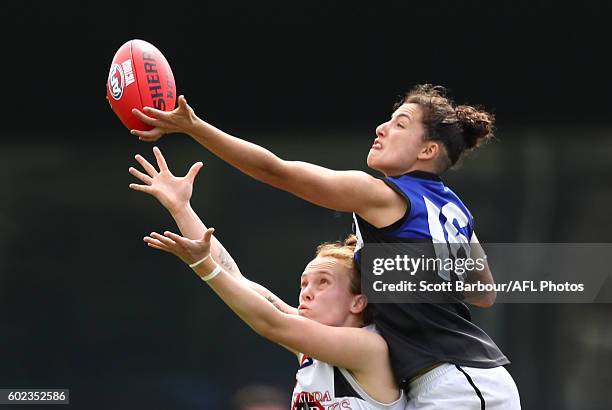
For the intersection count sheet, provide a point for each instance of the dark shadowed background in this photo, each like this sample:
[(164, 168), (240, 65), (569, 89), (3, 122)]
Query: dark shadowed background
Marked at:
[(85, 305)]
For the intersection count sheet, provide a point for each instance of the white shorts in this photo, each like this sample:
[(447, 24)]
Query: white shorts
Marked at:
[(453, 387)]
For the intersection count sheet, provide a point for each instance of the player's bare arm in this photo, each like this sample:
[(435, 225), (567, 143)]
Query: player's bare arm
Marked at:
[(347, 191)]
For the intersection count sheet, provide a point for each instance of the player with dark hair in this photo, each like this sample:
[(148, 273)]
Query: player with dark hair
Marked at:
[(344, 362), (438, 354)]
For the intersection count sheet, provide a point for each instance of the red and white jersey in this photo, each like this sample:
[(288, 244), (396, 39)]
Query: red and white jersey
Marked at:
[(321, 386)]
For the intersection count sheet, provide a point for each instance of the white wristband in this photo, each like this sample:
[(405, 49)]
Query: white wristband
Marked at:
[(212, 274), (193, 265)]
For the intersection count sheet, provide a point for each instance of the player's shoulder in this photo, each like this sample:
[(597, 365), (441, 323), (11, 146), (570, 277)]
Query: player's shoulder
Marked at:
[(374, 336)]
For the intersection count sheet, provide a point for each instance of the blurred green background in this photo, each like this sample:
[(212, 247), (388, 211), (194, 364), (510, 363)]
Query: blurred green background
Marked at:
[(85, 305)]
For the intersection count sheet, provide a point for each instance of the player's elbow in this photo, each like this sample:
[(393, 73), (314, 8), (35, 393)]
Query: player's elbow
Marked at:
[(264, 166), (486, 300), (276, 173), (263, 327), (483, 299), (271, 330)]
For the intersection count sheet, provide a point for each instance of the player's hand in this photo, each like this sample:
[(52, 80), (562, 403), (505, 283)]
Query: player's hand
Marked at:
[(173, 192), (188, 250), (181, 119)]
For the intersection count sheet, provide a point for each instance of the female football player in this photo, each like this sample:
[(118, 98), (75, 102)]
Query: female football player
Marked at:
[(430, 343), (344, 363)]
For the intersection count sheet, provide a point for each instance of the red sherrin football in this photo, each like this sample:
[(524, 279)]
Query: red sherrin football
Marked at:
[(139, 76)]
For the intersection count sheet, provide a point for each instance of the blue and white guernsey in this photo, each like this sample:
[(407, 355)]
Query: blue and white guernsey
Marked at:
[(420, 335)]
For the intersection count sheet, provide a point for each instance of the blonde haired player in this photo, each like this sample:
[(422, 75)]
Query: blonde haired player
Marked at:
[(344, 363)]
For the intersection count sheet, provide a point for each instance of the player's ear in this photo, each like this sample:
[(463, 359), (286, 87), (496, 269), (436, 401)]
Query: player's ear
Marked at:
[(360, 302), (430, 150)]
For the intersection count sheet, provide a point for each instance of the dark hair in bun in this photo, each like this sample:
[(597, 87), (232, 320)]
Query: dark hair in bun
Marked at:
[(460, 128)]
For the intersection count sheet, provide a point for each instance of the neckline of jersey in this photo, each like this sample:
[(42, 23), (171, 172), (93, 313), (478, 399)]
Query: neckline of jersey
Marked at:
[(422, 175)]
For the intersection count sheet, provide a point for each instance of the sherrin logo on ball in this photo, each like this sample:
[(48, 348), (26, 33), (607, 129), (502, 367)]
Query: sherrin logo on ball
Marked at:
[(116, 80), (139, 76)]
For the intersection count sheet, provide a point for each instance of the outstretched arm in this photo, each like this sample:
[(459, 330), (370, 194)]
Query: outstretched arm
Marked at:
[(353, 348), (480, 298), (174, 193), (347, 191)]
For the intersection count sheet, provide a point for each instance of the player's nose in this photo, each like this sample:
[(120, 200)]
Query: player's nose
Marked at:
[(307, 294), (381, 130)]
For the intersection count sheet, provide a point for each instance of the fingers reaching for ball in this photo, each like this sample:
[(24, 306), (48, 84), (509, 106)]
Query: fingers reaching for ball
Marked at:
[(153, 121), (181, 119), (141, 176), (148, 136), (193, 171), (161, 161), (186, 249), (146, 165), (147, 189), (182, 102)]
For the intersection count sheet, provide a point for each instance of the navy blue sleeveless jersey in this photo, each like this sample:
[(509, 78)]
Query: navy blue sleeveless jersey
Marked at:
[(420, 335)]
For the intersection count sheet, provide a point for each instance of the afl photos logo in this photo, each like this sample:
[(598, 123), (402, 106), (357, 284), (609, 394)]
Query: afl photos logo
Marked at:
[(116, 81)]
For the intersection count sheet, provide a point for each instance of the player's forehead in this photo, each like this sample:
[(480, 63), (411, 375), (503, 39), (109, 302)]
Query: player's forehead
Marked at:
[(321, 266), (410, 110)]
